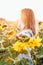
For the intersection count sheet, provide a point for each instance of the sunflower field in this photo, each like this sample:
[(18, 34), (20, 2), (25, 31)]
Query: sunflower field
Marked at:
[(11, 48)]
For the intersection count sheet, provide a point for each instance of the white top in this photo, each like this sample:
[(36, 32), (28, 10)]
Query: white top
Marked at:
[(26, 32)]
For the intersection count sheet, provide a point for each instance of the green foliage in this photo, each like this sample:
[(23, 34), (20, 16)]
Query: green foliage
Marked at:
[(23, 61)]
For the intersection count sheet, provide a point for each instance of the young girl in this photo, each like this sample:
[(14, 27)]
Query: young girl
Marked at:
[(28, 25), (29, 29)]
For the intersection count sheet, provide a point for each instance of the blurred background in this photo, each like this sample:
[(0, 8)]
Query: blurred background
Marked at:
[(10, 9)]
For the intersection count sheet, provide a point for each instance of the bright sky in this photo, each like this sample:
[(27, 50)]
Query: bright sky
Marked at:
[(10, 9)]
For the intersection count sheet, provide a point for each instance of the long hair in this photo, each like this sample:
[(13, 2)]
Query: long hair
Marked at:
[(28, 19)]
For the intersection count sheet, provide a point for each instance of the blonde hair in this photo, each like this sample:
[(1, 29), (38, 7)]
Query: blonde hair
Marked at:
[(28, 19)]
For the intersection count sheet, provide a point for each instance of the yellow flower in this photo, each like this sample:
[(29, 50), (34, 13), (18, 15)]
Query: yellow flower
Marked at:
[(34, 61), (31, 43), (4, 26), (38, 42), (11, 28), (10, 34), (7, 59), (18, 46), (1, 28), (38, 39), (31, 40), (34, 42)]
